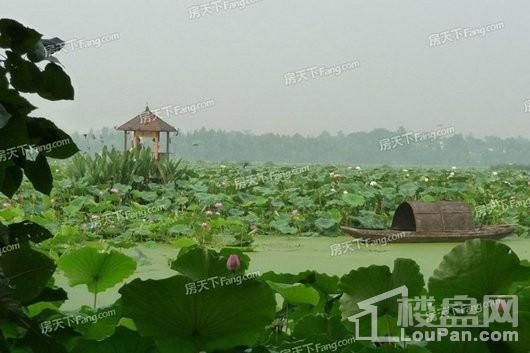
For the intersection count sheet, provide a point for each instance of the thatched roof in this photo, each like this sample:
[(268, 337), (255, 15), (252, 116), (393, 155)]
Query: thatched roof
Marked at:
[(146, 121)]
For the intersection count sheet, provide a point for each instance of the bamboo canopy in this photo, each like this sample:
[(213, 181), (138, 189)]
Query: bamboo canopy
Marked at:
[(433, 216), (431, 222), (147, 124)]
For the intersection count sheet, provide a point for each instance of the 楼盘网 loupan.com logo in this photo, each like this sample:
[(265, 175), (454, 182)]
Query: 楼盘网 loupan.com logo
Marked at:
[(460, 319)]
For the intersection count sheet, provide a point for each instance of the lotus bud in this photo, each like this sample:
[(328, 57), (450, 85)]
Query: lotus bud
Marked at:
[(114, 191), (233, 263), (295, 212)]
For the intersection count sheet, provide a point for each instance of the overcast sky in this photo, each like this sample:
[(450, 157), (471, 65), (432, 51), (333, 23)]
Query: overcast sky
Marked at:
[(239, 58)]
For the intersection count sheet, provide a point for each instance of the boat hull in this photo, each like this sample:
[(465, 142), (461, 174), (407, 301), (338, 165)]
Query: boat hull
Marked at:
[(396, 236)]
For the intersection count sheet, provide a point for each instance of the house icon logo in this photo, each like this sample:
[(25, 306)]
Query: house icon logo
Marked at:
[(368, 308)]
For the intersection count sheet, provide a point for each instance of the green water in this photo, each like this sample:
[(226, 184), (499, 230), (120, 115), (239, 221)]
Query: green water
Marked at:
[(288, 254)]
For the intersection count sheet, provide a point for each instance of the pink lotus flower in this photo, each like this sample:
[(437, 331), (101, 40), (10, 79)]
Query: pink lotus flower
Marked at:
[(6, 205), (218, 205), (233, 263), (205, 226), (114, 191), (337, 177), (208, 213), (295, 212)]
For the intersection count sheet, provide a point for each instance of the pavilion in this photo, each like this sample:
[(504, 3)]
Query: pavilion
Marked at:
[(149, 125)]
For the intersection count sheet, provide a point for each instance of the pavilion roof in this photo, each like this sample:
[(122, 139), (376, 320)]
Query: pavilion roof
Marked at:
[(146, 121)]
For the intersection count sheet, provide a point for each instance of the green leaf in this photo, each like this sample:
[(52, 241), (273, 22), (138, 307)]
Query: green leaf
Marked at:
[(320, 281), (282, 225), (322, 330), (26, 231), (51, 141), (4, 84), (353, 200), (98, 324), (123, 341), (297, 293), (75, 205), (14, 135), (478, 267), (39, 174), (28, 271), (408, 189), (25, 75), (12, 180), (56, 84), (17, 37), (368, 282), (98, 270), (4, 116), (446, 345), (325, 223), (14, 103), (37, 53), (184, 242), (182, 229), (205, 321)]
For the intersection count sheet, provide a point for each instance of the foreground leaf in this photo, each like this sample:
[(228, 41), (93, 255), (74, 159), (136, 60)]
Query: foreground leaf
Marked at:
[(220, 318), (98, 270)]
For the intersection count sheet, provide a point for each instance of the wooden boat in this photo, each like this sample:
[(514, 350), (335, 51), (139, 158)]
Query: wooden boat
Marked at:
[(431, 222), (395, 236)]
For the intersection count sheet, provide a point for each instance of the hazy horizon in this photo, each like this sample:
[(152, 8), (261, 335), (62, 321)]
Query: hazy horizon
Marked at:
[(239, 59)]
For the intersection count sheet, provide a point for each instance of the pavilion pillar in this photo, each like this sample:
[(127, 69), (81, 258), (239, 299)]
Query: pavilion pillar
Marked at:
[(156, 146), (167, 144), (136, 139), (125, 140)]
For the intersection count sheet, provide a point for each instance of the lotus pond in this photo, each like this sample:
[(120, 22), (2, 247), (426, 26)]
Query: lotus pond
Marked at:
[(139, 247), (288, 254)]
